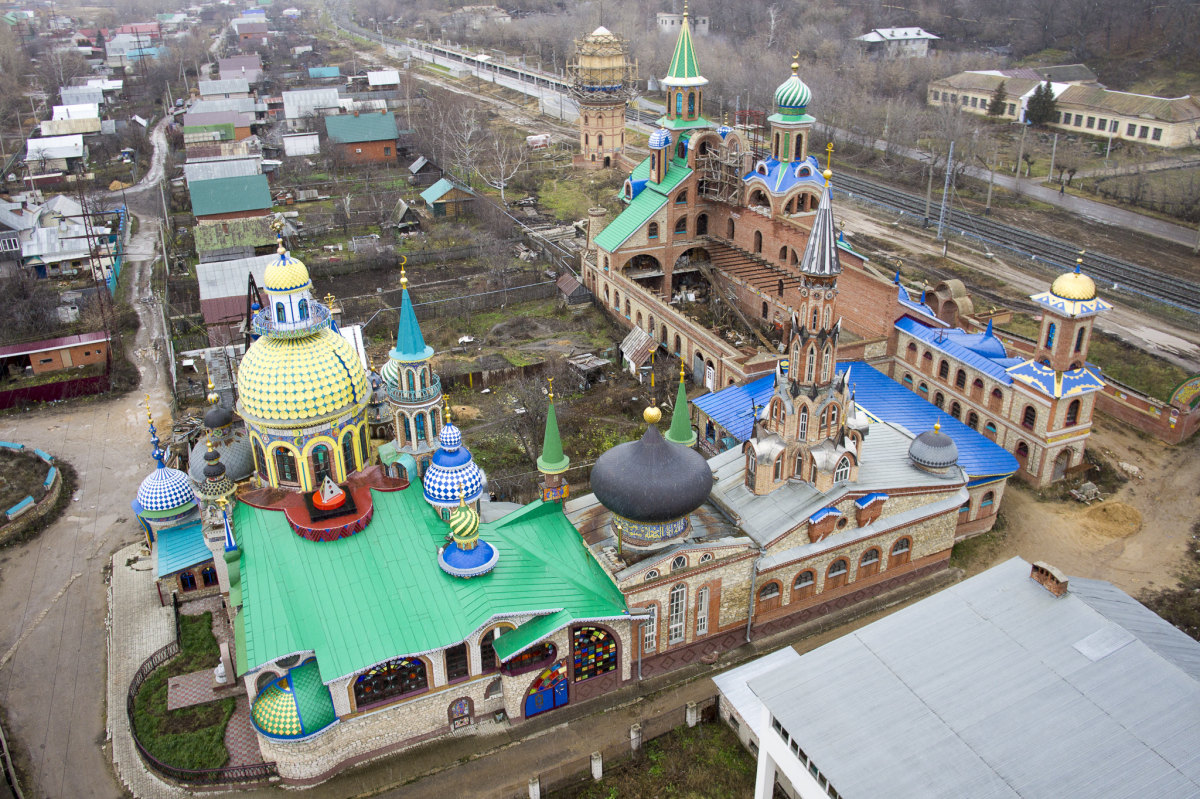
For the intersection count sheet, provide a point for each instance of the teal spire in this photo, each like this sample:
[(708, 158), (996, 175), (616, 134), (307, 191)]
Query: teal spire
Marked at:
[(684, 69), (681, 423), (410, 344), (552, 460)]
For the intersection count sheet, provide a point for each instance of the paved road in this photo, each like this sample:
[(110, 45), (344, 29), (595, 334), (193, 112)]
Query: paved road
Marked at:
[(52, 590)]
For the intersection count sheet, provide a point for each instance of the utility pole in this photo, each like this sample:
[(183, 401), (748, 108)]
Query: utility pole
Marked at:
[(945, 191), (1054, 152), (929, 187)]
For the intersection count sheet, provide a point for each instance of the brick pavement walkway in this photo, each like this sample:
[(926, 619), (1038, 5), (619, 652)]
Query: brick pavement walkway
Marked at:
[(191, 689), (240, 740)]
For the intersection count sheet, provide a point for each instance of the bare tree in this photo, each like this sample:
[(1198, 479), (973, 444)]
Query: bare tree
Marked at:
[(504, 159)]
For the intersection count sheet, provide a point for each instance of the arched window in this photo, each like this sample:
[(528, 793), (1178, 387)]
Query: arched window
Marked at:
[(960, 379), (627, 309), (681, 198), (803, 433), (706, 557), (322, 464), (208, 576), (924, 389), (757, 241), (869, 563), (679, 562), (955, 410), (833, 418), (1022, 452), (973, 420), (768, 591), (412, 379), (977, 389), (907, 381), (702, 611), (187, 581), (639, 319), (1079, 339), (702, 225), (927, 362), (487, 649), (779, 288), (900, 552), (765, 310), (778, 473), (595, 652), (805, 585), (842, 473), (536, 657), (938, 398), (901, 546), (989, 430), (260, 460), (285, 465), (811, 366), (836, 576), (599, 139), (280, 312), (677, 614), (1029, 418), (1051, 329), (944, 370), (363, 445), (679, 104), (691, 103), (816, 319), (302, 309), (1073, 413), (458, 665), (783, 253), (390, 680), (419, 425), (651, 575), (826, 363), (989, 499), (681, 226)]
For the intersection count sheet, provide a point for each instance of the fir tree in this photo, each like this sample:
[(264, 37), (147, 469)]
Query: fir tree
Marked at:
[(999, 100), (1041, 107)]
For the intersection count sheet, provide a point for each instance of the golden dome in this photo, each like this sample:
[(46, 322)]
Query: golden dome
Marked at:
[(652, 415), (300, 379), (1074, 286), (285, 275)]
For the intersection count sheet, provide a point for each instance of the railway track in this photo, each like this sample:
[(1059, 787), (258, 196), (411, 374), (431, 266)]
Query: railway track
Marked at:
[(1118, 274)]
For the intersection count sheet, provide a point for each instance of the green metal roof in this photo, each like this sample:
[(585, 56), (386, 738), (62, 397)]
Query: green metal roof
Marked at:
[(229, 195), (440, 189), (552, 460), (253, 232), (647, 203), (226, 129), (683, 63), (516, 641), (352, 128), (380, 594)]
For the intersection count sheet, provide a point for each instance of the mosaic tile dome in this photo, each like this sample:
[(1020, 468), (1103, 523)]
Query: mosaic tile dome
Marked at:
[(294, 706), (660, 139), (1074, 286), (452, 466), (294, 379), (165, 489), (285, 275), (793, 96)]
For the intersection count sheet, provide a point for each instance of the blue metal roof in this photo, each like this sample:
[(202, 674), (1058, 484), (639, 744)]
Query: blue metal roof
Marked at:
[(732, 406), (181, 548), (781, 175), (940, 340), (324, 72), (823, 512), (888, 401), (867, 499), (917, 305)]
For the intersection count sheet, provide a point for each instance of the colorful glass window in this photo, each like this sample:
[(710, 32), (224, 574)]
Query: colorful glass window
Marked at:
[(389, 680), (595, 652), (534, 656)]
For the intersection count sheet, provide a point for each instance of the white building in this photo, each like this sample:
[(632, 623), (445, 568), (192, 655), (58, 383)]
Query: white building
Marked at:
[(671, 23), (897, 42)]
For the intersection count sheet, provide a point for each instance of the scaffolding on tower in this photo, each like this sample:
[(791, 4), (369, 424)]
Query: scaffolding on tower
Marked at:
[(602, 73)]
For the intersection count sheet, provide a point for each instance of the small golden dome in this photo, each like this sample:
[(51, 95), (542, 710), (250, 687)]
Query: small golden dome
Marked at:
[(652, 415), (287, 274), (1074, 286), (827, 174)]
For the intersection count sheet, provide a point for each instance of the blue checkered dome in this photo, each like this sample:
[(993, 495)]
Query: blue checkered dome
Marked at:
[(659, 139), (441, 482), (165, 489), (450, 438)]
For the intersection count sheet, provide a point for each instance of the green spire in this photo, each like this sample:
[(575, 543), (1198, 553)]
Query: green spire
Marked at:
[(552, 460), (681, 423), (684, 69), (410, 344)]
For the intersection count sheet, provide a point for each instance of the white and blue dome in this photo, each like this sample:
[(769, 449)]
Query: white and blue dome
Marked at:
[(724, 131), (165, 489), (793, 96), (451, 467), (660, 139)]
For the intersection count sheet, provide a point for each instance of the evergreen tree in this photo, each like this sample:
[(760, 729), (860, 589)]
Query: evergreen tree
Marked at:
[(1042, 107), (999, 100)]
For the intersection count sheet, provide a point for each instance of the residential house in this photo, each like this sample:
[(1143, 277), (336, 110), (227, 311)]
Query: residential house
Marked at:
[(230, 198), (66, 120), (897, 42), (251, 32), (55, 354), (364, 138), (324, 74), (232, 125), (383, 79), (224, 89), (302, 106), (213, 168), (233, 239), (247, 66), (448, 198), (55, 153), (223, 292)]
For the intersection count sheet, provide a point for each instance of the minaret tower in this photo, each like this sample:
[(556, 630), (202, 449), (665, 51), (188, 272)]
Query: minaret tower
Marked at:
[(553, 462), (1069, 310), (413, 389), (602, 81), (684, 85), (814, 339)]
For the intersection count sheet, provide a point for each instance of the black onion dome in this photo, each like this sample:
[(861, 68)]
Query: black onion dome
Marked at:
[(651, 480), (217, 416), (933, 449), (213, 468)]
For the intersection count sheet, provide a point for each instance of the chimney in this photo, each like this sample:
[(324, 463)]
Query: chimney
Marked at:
[(1049, 578), (355, 113)]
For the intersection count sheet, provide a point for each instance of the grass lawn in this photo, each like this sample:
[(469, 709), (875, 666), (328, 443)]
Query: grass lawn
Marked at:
[(21, 475), (192, 737), (702, 762)]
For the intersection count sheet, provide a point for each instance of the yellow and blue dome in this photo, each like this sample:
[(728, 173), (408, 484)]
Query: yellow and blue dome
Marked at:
[(1074, 286), (286, 275), (793, 96), (298, 379), (294, 706)]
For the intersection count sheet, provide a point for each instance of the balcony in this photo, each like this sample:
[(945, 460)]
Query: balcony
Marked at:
[(397, 394), (264, 323)]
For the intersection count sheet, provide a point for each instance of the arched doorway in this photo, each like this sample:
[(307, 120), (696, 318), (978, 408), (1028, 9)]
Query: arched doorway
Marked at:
[(1061, 463), (548, 691)]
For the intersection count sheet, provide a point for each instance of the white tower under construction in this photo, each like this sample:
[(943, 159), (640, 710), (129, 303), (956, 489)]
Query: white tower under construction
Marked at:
[(602, 81)]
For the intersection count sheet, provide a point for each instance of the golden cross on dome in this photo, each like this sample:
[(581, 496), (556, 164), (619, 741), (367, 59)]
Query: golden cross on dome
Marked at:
[(828, 155), (796, 63), (447, 414), (680, 370), (685, 8)]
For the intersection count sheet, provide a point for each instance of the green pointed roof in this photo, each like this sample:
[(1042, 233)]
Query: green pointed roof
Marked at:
[(410, 344), (684, 69), (552, 460), (681, 423)]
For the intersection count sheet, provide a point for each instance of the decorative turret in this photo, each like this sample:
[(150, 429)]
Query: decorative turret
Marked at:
[(216, 486), (452, 473), (660, 154), (165, 497), (414, 391), (684, 84), (790, 124), (815, 326), (681, 431), (466, 556), (553, 461), (1068, 313)]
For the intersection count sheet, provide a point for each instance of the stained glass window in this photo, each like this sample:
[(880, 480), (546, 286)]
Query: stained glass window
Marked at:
[(595, 652), (348, 452), (530, 657), (391, 679)]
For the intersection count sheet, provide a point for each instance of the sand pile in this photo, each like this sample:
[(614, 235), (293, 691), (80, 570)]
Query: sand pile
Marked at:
[(1112, 520)]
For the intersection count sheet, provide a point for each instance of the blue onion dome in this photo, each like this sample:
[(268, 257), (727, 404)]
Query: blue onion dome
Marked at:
[(286, 274), (165, 489), (933, 450), (452, 471), (793, 95), (450, 438), (651, 480), (660, 139), (724, 131)]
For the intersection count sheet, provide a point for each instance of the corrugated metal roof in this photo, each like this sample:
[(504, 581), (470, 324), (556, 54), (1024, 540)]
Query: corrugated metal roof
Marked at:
[(652, 197), (243, 105), (302, 102), (353, 128), (939, 340), (383, 77), (636, 346), (224, 86), (45, 345), (1163, 109), (379, 594), (67, 127), (733, 684), (324, 72), (224, 168), (980, 691), (49, 147), (221, 279), (229, 195), (888, 401), (76, 111), (440, 189), (733, 406), (180, 548)]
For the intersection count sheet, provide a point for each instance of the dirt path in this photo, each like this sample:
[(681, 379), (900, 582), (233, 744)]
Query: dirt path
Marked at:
[(1135, 539)]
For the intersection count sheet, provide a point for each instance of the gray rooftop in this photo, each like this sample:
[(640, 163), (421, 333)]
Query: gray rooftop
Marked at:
[(224, 168), (228, 278), (996, 688)]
